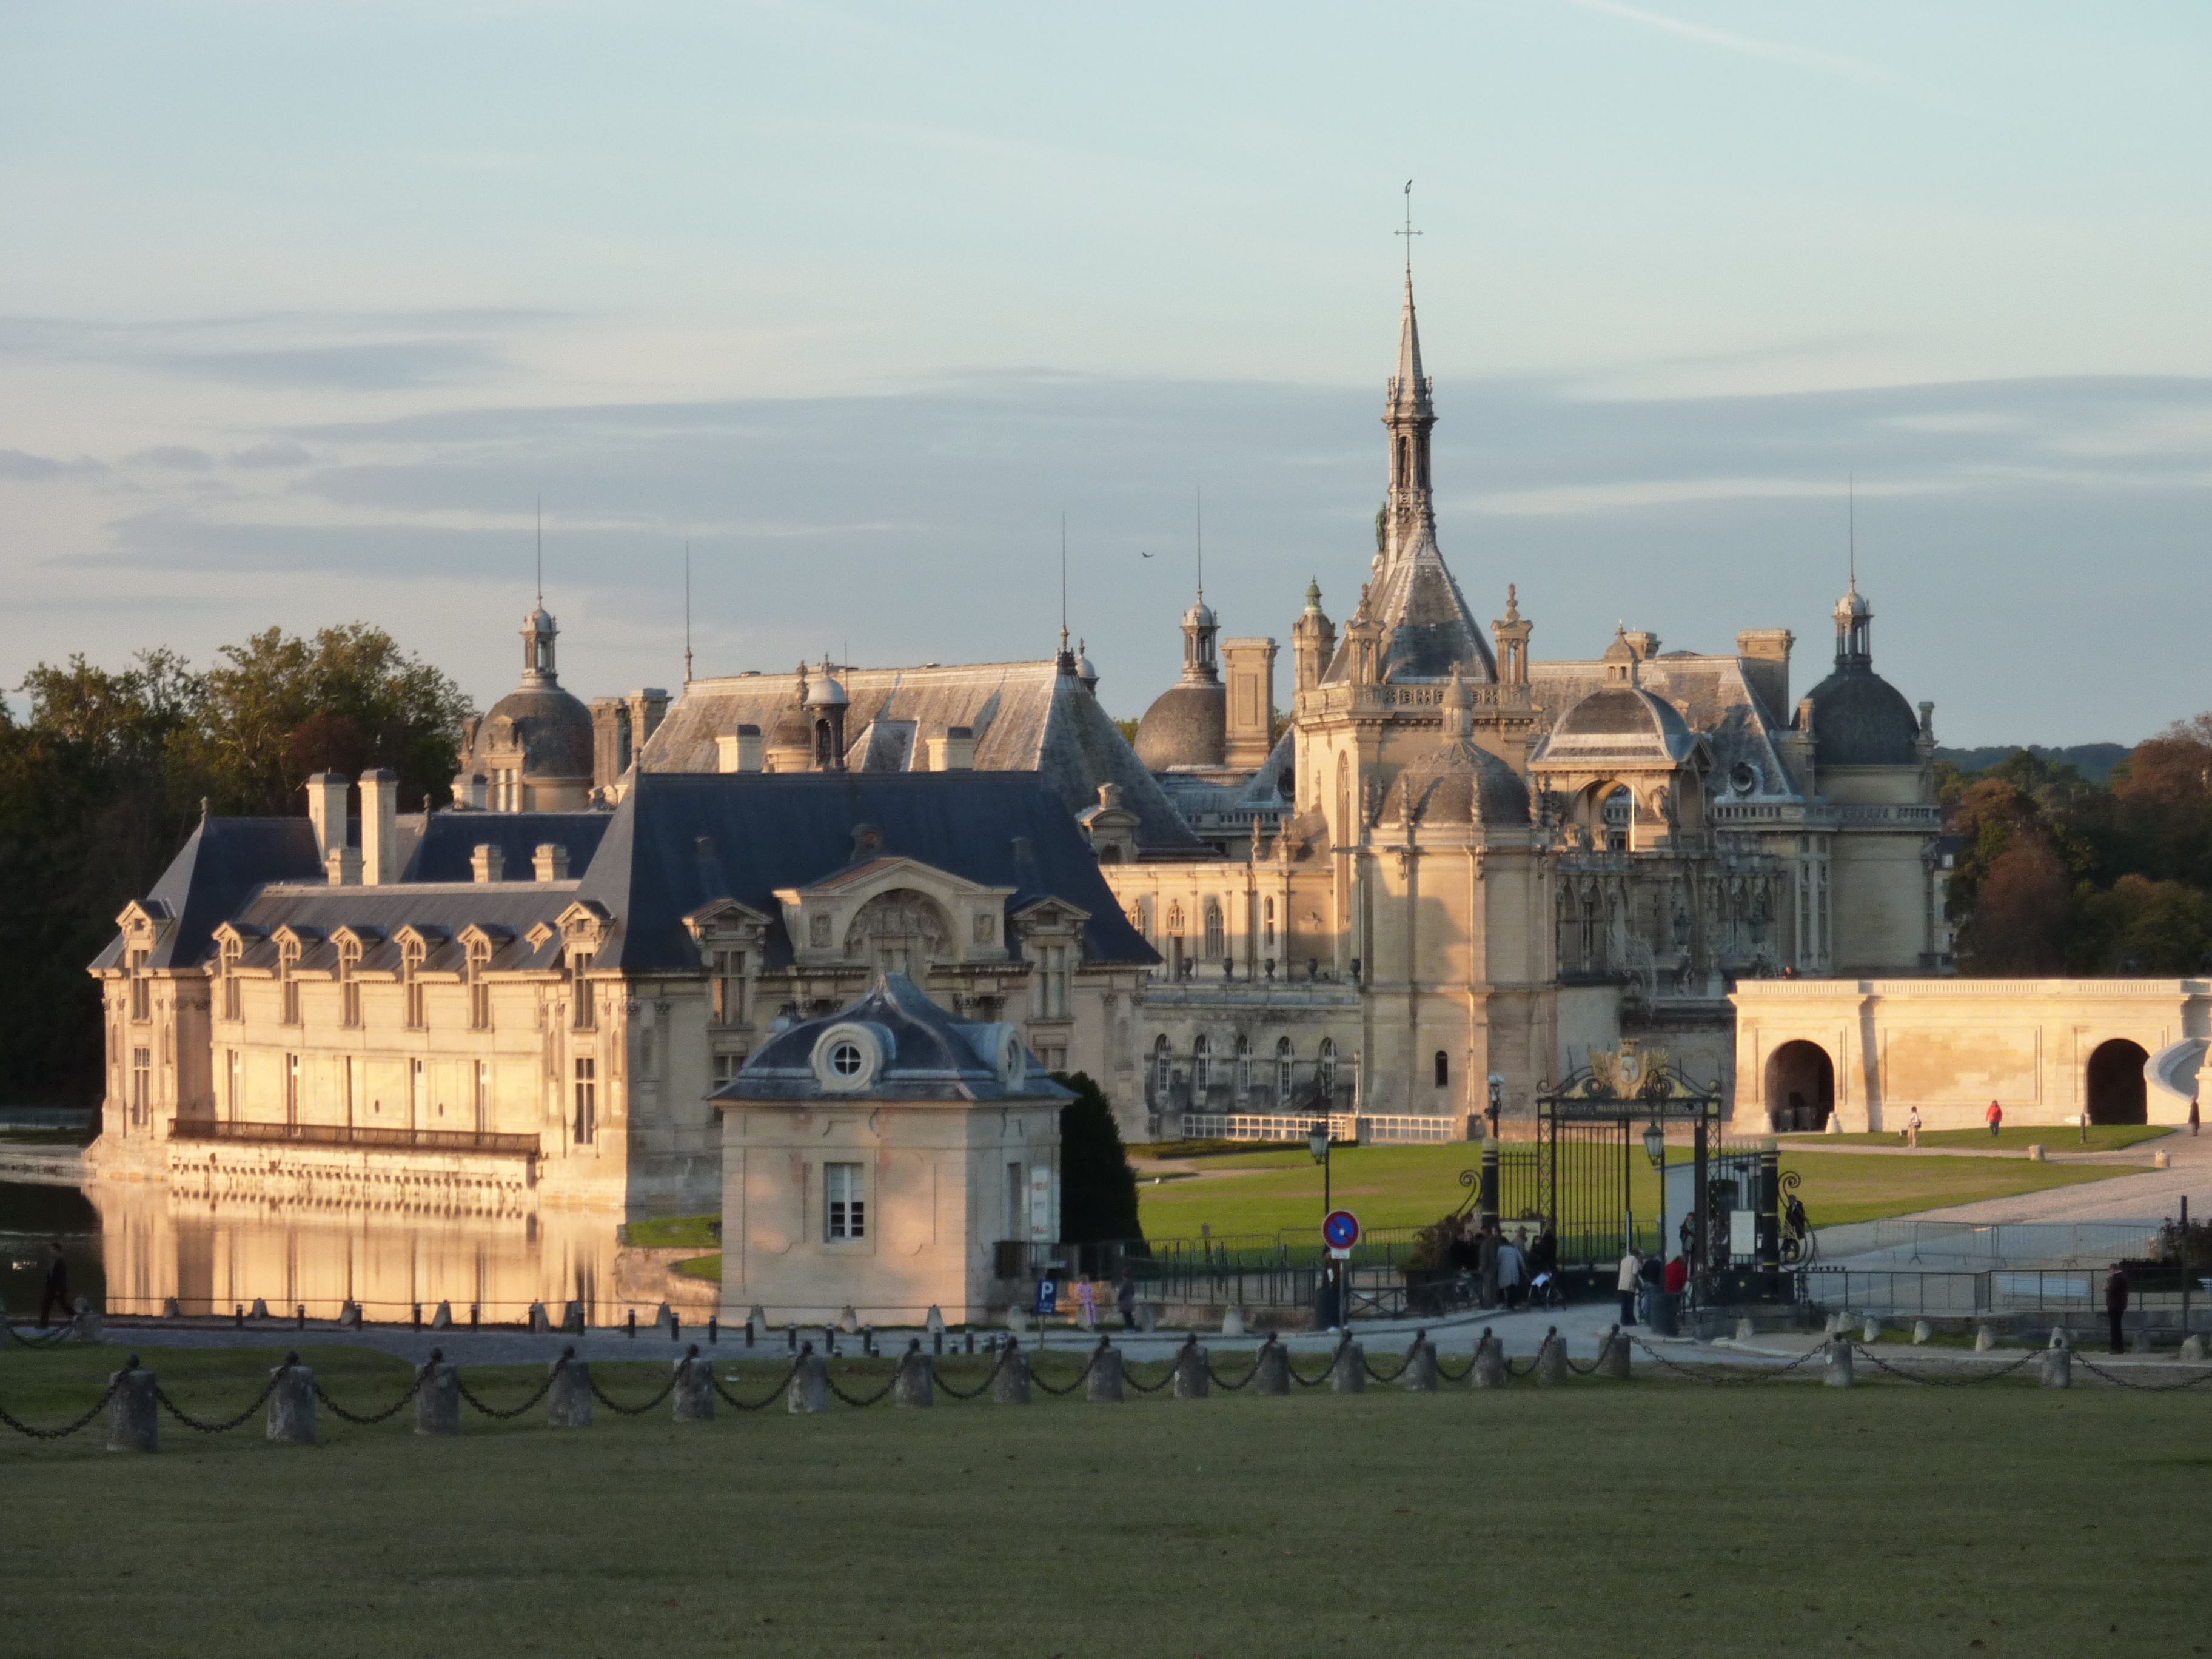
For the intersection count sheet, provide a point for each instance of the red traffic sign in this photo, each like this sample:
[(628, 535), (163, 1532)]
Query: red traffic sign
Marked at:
[(1340, 1228)]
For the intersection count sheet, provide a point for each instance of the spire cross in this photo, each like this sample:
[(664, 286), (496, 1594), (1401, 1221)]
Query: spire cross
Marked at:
[(1409, 233)]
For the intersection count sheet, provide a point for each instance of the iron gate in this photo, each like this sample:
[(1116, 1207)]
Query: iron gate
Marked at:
[(1589, 1130)]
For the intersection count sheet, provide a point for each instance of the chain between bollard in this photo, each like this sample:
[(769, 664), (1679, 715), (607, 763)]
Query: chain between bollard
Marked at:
[(543, 1389), (1089, 1366), (98, 1406), (1930, 1380), (199, 1427), (1450, 1375), (982, 1387), (1167, 1377), (1731, 1382), (1405, 1360), (667, 1389), (52, 1339), (2119, 1382), (782, 1382), (365, 1419), (880, 1394)]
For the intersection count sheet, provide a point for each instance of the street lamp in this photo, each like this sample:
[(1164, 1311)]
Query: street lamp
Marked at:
[(1497, 1103), (1332, 1298), (1655, 1148)]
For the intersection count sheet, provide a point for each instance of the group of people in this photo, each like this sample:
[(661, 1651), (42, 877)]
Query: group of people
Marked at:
[(1499, 1272), (1089, 1291), (1642, 1277)]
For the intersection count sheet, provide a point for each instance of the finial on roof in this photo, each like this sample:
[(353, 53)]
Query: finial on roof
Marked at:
[(1512, 604), (1313, 593)]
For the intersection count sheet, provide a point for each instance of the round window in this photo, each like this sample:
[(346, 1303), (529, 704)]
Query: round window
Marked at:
[(847, 1060)]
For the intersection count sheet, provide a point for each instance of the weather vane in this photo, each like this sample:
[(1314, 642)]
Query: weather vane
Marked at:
[(1409, 233)]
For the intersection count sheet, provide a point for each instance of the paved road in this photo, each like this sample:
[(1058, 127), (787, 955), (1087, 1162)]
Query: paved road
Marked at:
[(2151, 1196)]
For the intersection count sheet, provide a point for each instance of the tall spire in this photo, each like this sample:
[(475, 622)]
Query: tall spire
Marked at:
[(1409, 414)]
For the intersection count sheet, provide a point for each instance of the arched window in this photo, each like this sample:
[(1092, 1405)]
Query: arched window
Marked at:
[(1162, 1066), (1244, 1065), (1444, 1070), (1217, 936), (1325, 1071), (1282, 1074), (1199, 1072)]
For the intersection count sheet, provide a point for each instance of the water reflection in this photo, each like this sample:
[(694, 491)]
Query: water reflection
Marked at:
[(142, 1244)]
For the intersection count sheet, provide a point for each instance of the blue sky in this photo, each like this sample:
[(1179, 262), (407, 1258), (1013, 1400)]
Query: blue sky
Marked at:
[(304, 306)]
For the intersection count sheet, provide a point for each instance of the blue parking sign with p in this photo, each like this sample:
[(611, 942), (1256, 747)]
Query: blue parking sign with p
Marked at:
[(1047, 1302)]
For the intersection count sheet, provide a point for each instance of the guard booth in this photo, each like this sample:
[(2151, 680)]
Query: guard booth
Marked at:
[(1600, 1135)]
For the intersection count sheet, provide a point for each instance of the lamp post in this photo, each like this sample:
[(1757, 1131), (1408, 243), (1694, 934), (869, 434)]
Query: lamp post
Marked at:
[(1331, 1297), (1497, 1108), (1662, 1305)]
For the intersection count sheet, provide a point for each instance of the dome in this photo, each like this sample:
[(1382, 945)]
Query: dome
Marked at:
[(1853, 604), (551, 728), (1200, 615), (1084, 670), (1458, 782), (1859, 719), (1187, 725), (827, 693), (1620, 723)]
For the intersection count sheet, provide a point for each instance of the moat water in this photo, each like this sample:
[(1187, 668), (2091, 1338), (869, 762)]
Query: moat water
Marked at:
[(132, 1246)]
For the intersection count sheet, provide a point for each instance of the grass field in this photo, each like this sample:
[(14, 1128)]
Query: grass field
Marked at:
[(2058, 1138), (1644, 1519), (1412, 1186)]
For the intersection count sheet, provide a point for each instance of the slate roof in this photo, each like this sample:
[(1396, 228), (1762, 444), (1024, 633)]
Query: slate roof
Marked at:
[(1859, 719), (678, 842), (929, 1055), (210, 879), (1429, 629), (1025, 717), (442, 910), (1712, 694), (443, 852)]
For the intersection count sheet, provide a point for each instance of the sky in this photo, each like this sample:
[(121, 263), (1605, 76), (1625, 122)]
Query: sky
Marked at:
[(306, 308)]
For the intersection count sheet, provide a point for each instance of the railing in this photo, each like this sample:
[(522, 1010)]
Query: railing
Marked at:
[(338, 1135), (2055, 1243), (1398, 1129), (1966, 1291)]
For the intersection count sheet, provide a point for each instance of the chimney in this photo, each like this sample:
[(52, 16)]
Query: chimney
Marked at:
[(487, 863), (1251, 673), (1765, 655), (551, 863), (739, 751), (379, 827), (326, 811), (953, 752), (342, 866)]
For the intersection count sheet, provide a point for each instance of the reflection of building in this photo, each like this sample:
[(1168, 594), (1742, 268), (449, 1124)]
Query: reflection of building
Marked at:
[(1455, 860), (876, 1157), (491, 1013), (1870, 1052)]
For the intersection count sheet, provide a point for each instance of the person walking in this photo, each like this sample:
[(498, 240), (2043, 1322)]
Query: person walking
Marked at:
[(1510, 1261), (57, 1290), (1997, 1119), (1913, 1128), (2193, 1115), (1125, 1298), (1086, 1304), (1631, 1266), (2116, 1306), (1652, 1277)]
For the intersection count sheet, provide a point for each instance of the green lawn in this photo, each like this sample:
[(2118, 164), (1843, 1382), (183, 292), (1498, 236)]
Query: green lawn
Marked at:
[(674, 1232), (1412, 1186), (2058, 1138), (1651, 1518)]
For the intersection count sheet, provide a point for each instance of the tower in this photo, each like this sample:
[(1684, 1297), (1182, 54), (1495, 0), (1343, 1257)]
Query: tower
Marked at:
[(538, 633), (1409, 415), (1313, 642)]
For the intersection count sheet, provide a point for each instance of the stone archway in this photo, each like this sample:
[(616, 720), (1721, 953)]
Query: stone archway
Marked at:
[(2116, 1091), (1801, 1087)]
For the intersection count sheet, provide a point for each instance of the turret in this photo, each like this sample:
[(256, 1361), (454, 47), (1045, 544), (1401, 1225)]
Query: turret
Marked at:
[(1313, 642)]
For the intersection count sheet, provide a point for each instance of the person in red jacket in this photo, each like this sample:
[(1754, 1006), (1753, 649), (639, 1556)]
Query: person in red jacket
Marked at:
[(1997, 1119), (1678, 1275)]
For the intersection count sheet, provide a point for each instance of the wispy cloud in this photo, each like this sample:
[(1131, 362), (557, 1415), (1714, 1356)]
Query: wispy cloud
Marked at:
[(1746, 46)]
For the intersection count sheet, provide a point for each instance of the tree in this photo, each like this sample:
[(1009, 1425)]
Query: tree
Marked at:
[(1098, 1189), (2019, 923)]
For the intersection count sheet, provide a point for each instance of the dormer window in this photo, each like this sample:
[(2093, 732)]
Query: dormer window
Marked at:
[(287, 968), (141, 987), (411, 954), (350, 987), (729, 987), (479, 988), (231, 948)]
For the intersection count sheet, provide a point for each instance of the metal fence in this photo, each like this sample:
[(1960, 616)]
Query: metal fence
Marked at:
[(1366, 1128), (2047, 1244), (1963, 1291), (339, 1134)]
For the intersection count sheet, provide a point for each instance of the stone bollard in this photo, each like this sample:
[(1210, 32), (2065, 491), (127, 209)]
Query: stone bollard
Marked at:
[(170, 1309), (572, 1319), (1613, 1355), (1552, 1358), (292, 1404), (1010, 1383), (808, 1391), (2193, 1350), (2161, 1160), (2058, 1338), (1105, 1381), (694, 1393), (349, 1316), (1271, 1368), (2139, 1340), (2035, 1152), (134, 1422), (915, 1381), (568, 1400), (1192, 1381), (1148, 1317), (260, 1310), (539, 1323), (1232, 1323), (1745, 1330), (934, 1322), (1921, 1330), (664, 1318), (2058, 1367), (1870, 1329), (1347, 1370), (1836, 1372), (1489, 1370), (89, 1324), (437, 1396), (1837, 1322), (443, 1319), (1985, 1338), (1419, 1375)]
